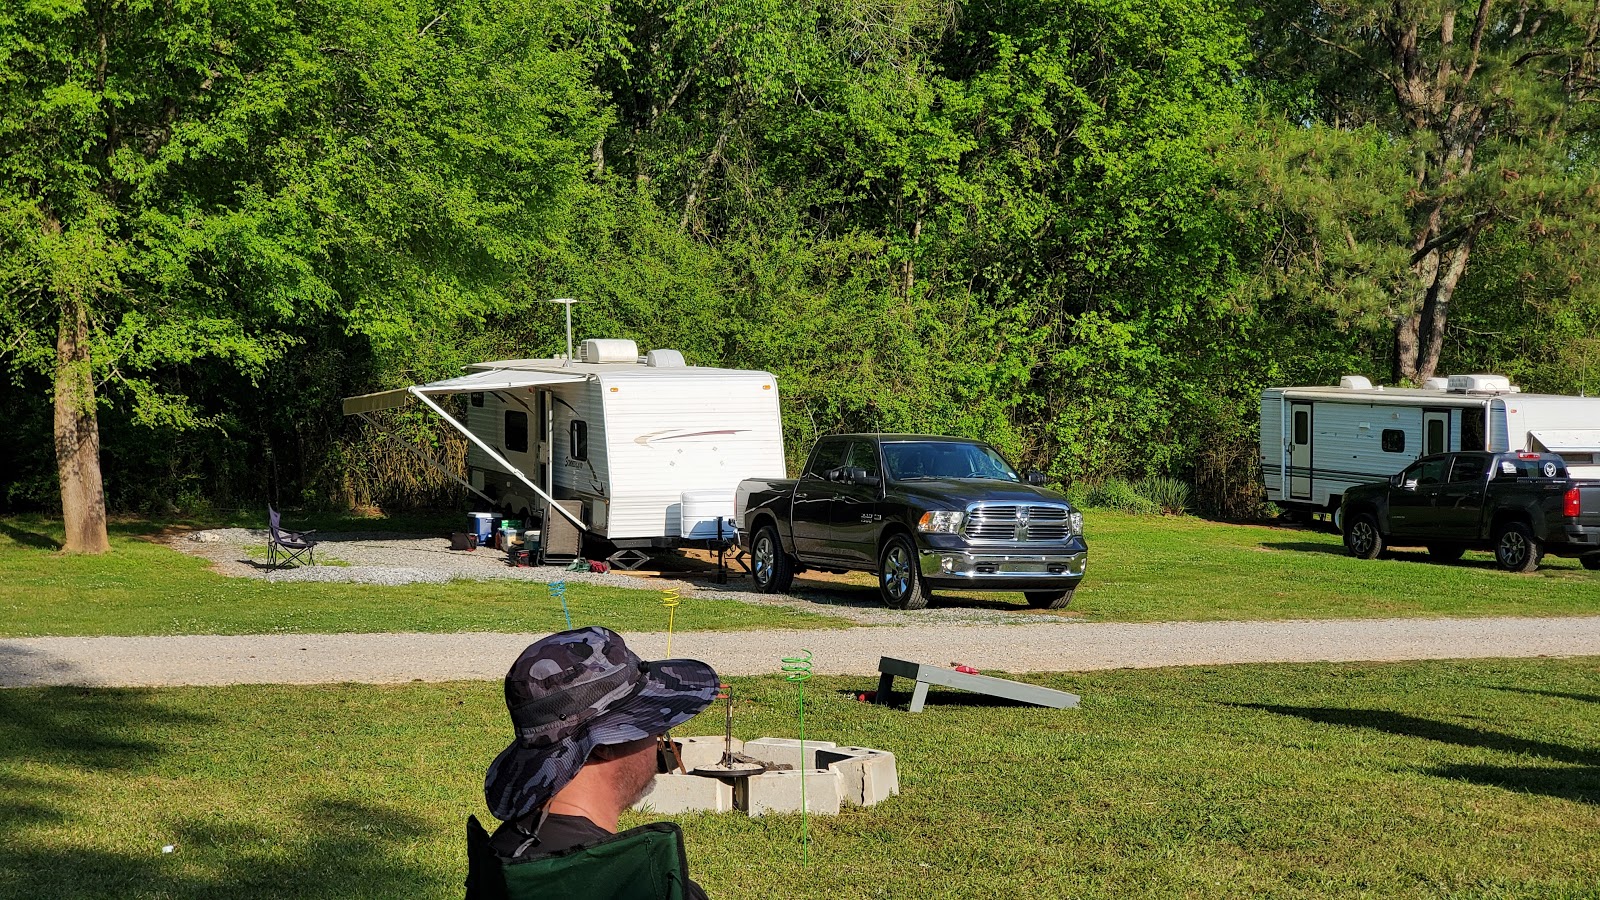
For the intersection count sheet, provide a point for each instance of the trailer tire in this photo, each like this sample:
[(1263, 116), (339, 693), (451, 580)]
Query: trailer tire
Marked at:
[(899, 578), (1515, 548), (1590, 561), (1445, 553), (770, 567), (1363, 539), (1049, 599)]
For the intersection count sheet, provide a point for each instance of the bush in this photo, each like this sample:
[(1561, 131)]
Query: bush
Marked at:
[(1169, 494), (1120, 495)]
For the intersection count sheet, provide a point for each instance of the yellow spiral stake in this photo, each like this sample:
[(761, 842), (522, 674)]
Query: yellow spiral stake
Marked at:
[(798, 670), (671, 600)]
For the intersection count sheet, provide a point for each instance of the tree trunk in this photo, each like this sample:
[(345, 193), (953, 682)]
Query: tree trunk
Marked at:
[(77, 435), (1436, 308)]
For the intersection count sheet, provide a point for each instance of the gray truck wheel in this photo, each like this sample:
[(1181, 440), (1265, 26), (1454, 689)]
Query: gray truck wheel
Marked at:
[(1049, 599), (1591, 561), (1515, 548), (1362, 538), (770, 567), (899, 579)]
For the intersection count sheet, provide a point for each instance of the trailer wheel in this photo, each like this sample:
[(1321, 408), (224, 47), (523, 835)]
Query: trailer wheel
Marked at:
[(1049, 599), (1515, 548), (1445, 553), (1591, 561), (770, 567), (899, 579), (1362, 538)]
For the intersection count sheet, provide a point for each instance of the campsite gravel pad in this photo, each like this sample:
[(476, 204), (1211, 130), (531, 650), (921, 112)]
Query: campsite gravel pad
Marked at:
[(393, 559)]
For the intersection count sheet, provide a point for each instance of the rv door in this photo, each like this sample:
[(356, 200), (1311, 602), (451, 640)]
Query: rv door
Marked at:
[(1435, 431), (1300, 451)]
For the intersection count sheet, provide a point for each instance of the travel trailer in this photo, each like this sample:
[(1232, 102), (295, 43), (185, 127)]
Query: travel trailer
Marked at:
[(1318, 441), (636, 451)]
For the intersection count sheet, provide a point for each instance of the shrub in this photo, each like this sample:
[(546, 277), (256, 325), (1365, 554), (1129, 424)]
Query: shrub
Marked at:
[(1120, 495), (1170, 495)]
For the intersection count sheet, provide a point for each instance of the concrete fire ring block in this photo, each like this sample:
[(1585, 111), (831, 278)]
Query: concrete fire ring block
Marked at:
[(704, 751), (868, 776), (779, 792), (676, 793), (786, 751)]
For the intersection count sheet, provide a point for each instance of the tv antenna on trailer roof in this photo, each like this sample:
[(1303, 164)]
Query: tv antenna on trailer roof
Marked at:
[(567, 302)]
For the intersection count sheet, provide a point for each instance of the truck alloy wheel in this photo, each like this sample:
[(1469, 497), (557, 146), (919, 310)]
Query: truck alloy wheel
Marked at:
[(770, 567), (1515, 548), (899, 580), (1362, 538)]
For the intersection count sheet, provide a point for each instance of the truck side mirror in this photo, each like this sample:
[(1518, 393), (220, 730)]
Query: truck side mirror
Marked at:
[(1036, 477), (855, 475), (1394, 480)]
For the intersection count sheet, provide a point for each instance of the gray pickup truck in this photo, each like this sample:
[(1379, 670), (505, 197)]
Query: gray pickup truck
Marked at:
[(1519, 505), (922, 512)]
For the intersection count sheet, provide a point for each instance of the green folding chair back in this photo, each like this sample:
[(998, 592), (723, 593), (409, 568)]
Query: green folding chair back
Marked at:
[(644, 863)]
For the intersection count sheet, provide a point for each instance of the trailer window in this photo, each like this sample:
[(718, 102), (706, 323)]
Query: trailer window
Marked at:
[(1472, 430), (1394, 440), (477, 398), (516, 437), (1302, 427), (544, 417), (579, 448)]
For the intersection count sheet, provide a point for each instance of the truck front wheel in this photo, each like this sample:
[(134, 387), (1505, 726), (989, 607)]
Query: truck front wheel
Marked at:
[(1515, 548), (770, 567), (899, 579), (1362, 538)]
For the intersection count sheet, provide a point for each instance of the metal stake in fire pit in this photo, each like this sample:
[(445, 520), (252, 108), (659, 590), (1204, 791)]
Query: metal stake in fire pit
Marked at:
[(732, 765)]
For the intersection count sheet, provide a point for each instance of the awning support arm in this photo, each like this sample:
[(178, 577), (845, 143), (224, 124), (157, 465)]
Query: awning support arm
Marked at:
[(428, 458), (550, 501)]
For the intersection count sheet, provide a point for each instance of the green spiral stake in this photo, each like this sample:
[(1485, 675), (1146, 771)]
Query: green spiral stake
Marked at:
[(798, 670), (558, 590)]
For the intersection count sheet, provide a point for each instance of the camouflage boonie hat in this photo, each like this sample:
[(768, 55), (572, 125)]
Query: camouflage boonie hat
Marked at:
[(577, 690)]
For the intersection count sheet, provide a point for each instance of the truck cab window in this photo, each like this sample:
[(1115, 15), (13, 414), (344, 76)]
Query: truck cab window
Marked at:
[(829, 455), (1425, 473), (516, 431), (863, 455), (1469, 467)]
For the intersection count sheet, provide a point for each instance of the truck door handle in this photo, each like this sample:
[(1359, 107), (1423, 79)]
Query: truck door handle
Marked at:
[(802, 496)]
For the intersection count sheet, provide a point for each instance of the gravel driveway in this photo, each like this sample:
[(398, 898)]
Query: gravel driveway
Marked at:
[(1054, 647)]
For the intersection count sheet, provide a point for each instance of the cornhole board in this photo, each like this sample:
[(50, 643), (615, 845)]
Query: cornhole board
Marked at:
[(924, 675)]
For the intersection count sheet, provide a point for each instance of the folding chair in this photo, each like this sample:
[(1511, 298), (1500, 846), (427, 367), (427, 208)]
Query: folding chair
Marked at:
[(287, 547), (644, 863)]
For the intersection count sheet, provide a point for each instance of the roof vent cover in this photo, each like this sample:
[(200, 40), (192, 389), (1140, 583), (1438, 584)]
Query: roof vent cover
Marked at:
[(1436, 384), (665, 359), (1355, 383), (611, 350), (1495, 383)]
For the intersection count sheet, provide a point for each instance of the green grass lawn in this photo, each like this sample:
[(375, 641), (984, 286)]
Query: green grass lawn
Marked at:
[(1438, 779), (142, 587)]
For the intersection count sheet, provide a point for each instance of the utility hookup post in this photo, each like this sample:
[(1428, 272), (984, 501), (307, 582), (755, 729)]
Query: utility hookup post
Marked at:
[(567, 302)]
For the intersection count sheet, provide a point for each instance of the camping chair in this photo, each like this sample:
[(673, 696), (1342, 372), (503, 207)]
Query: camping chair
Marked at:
[(286, 547), (644, 863)]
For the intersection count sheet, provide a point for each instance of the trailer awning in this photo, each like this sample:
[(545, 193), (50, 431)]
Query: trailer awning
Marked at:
[(490, 380), (1572, 440)]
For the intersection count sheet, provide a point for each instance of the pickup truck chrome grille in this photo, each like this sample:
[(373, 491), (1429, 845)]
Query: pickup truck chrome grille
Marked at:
[(996, 522)]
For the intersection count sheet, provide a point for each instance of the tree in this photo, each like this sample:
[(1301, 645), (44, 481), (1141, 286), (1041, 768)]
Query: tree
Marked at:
[(1492, 106), (187, 181)]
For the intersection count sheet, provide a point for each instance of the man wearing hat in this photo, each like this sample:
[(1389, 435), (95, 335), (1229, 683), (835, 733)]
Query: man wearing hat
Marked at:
[(587, 713)]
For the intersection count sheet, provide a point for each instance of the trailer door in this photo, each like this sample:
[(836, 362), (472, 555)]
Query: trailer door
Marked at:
[(1300, 451), (1435, 431)]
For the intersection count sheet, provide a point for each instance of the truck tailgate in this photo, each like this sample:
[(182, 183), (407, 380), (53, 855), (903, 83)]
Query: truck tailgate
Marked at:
[(1589, 502)]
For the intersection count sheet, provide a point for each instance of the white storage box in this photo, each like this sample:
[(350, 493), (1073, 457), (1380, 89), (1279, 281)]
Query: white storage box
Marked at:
[(701, 510)]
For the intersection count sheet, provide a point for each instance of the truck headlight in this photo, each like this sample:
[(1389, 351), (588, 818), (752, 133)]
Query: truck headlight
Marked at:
[(1075, 522), (940, 522)]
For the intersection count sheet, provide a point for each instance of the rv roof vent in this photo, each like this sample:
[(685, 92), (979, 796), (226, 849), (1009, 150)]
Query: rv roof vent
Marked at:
[(609, 351), (1355, 383), (1436, 384), (1498, 383), (664, 359)]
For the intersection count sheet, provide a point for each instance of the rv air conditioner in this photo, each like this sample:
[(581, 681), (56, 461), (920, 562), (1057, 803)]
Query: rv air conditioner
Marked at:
[(1491, 383), (608, 350), (1355, 383)]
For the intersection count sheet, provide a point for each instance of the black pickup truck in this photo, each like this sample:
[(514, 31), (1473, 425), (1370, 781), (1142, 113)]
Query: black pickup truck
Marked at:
[(1519, 505), (922, 512)]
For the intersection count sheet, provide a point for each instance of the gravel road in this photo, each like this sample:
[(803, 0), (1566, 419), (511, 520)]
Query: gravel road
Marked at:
[(1053, 647)]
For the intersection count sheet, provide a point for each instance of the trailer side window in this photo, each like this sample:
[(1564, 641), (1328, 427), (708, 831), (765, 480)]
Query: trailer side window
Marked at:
[(1302, 427), (516, 438), (1472, 431), (477, 398), (579, 448), (544, 417), (1394, 440)]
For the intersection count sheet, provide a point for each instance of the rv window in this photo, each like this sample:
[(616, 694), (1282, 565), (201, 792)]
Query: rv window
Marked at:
[(1472, 434), (1394, 440), (477, 398), (516, 431), (579, 448), (1302, 427), (544, 417), (828, 455)]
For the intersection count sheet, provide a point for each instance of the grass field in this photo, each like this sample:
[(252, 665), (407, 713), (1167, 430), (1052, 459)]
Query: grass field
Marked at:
[(1140, 569), (1437, 779)]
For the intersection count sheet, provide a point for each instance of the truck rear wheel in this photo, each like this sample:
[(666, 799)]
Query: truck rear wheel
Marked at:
[(1591, 561), (1362, 538), (899, 578), (1049, 599), (1515, 548), (770, 567)]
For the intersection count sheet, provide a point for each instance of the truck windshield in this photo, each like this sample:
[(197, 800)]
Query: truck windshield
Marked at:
[(911, 460)]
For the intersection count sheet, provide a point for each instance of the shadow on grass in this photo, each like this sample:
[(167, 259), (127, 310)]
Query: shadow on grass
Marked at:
[(340, 849), (1414, 556), (1577, 783), (23, 537), (1581, 698)]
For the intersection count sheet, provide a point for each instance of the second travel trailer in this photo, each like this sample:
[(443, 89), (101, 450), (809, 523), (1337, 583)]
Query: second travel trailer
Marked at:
[(1316, 442), (635, 451)]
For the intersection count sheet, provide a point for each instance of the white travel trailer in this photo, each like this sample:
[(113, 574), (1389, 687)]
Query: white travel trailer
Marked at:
[(1318, 441), (638, 451)]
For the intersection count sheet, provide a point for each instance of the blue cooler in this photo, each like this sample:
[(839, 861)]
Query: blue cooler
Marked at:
[(482, 524)]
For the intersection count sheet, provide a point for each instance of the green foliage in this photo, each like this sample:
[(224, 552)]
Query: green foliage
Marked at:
[(1120, 495), (1170, 495)]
